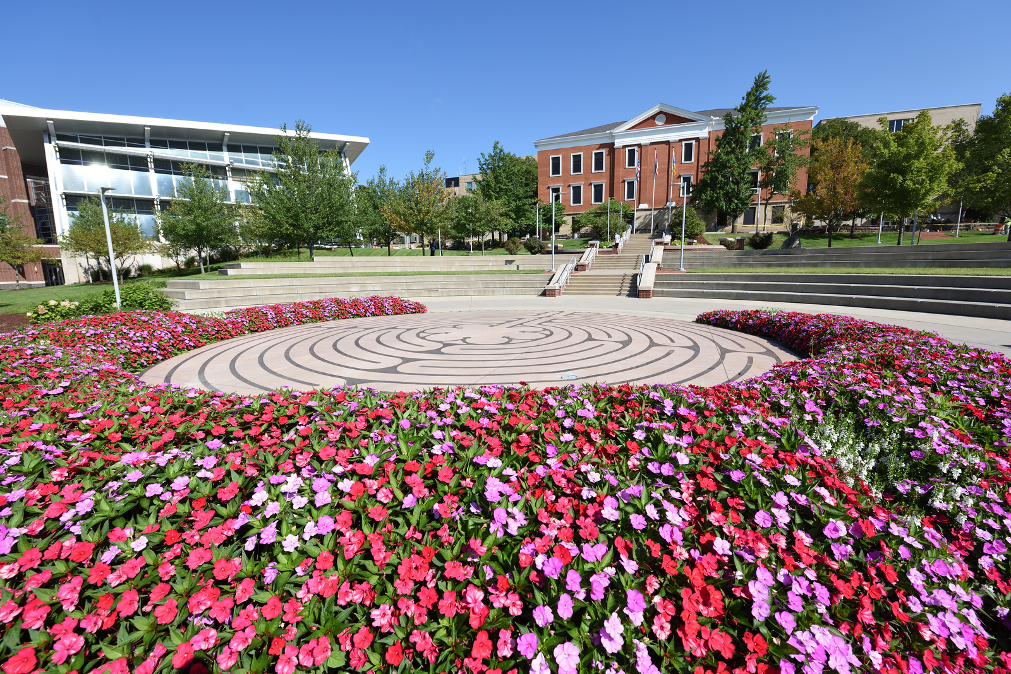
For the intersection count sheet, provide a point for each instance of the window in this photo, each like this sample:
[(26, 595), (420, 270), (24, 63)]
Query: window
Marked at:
[(553, 194), (450, 182), (688, 152), (470, 186), (749, 216), (598, 161), (577, 163), (896, 124), (630, 157), (555, 167), (756, 141), (597, 193), (754, 181), (778, 215), (783, 137), (576, 195), (629, 190), (686, 185)]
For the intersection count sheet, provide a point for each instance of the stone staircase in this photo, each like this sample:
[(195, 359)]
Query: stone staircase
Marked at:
[(978, 296), (612, 275)]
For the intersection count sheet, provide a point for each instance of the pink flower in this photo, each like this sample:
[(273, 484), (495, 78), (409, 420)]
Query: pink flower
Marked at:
[(242, 639), (834, 529), (226, 658), (787, 620), (204, 639), (567, 657), (543, 616), (66, 646), (505, 644), (288, 660), (527, 645), (565, 606), (572, 581), (553, 567)]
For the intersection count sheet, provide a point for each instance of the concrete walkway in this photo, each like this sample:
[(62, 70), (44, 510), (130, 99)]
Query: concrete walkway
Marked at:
[(987, 333)]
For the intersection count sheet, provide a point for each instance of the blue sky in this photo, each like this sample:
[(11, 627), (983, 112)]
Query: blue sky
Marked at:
[(454, 77)]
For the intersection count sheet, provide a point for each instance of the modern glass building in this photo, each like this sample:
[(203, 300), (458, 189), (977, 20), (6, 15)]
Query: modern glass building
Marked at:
[(69, 156)]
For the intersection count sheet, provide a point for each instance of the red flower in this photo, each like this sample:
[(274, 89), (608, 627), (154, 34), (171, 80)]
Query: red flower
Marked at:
[(395, 654), (99, 573), (30, 559), (166, 613), (21, 662), (482, 646), (184, 653), (378, 513), (128, 603)]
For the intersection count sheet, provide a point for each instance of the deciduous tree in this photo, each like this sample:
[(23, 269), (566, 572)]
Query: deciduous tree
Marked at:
[(86, 235), (837, 169), (512, 181), (17, 247), (417, 206), (200, 217), (986, 155), (369, 201), (783, 157), (726, 187)]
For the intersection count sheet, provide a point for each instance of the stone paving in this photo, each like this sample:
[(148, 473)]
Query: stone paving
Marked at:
[(542, 347)]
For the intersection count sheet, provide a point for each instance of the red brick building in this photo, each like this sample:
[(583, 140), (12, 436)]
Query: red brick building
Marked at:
[(669, 145)]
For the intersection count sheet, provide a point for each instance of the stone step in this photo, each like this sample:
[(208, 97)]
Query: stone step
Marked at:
[(987, 295), (911, 280)]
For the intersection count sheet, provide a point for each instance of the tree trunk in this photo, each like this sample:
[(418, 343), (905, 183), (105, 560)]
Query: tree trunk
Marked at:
[(421, 237), (200, 258), (853, 227), (349, 248), (829, 227), (389, 247), (902, 227), (17, 278), (312, 251)]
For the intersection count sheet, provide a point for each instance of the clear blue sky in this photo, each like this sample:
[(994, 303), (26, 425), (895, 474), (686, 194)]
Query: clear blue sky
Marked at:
[(454, 77)]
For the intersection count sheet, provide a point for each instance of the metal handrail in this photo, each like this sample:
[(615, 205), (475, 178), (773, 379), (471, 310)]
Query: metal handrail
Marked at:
[(593, 256), (622, 238), (567, 270)]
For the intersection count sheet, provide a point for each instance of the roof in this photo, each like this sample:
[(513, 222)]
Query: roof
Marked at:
[(718, 112)]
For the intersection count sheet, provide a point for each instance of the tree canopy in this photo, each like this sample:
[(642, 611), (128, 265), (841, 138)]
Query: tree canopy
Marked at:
[(17, 247), (837, 169), (472, 215), (512, 181), (985, 179), (417, 206), (370, 199), (781, 160), (86, 235), (200, 217), (726, 187)]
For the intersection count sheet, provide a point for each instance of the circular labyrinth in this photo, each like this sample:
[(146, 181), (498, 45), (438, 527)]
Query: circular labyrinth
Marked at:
[(541, 348)]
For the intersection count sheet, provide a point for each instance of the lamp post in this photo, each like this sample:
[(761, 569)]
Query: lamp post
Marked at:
[(108, 239), (609, 218), (958, 225), (684, 211), (559, 193)]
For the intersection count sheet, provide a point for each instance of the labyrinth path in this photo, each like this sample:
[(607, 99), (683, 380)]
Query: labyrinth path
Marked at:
[(541, 348)]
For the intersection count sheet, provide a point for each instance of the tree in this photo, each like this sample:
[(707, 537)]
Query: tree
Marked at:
[(843, 129), (556, 207), (726, 186), (511, 180), (472, 215), (837, 169), (596, 219), (416, 207), (695, 226), (17, 247), (909, 169), (308, 194), (200, 217), (86, 236), (986, 155), (369, 201), (781, 160)]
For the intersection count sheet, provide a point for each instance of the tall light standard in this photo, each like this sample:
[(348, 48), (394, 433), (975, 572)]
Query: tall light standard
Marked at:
[(559, 194), (609, 199), (471, 218), (108, 239), (687, 188)]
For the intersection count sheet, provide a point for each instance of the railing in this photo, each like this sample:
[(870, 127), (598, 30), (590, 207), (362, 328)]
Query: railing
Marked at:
[(646, 258), (590, 255), (567, 270), (621, 239)]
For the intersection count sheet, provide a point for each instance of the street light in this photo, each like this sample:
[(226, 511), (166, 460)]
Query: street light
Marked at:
[(108, 239), (559, 193), (471, 231), (687, 187)]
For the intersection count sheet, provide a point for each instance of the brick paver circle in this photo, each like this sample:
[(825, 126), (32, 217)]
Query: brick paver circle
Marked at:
[(541, 348)]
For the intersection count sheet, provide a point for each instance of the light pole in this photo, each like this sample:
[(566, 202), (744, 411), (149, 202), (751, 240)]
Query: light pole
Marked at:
[(609, 219), (108, 239), (471, 218), (958, 225), (684, 212), (559, 194)]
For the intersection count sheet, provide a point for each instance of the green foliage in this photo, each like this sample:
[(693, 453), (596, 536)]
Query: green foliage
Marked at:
[(369, 201), (556, 208), (725, 187), (86, 236), (695, 226), (845, 129), (17, 248), (781, 159), (418, 205), (308, 195), (471, 215), (910, 168), (199, 218), (133, 296), (596, 220), (759, 240), (511, 180), (534, 245), (986, 154), (512, 246)]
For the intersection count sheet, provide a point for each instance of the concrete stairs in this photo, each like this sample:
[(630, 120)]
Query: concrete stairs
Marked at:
[(977, 296), (608, 283), (227, 293), (349, 265), (971, 255)]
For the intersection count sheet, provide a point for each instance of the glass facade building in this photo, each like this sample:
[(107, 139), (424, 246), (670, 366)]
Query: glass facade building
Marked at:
[(141, 159)]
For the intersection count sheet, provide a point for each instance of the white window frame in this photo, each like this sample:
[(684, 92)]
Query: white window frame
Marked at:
[(551, 162), (681, 183), (551, 192), (572, 194), (761, 139), (634, 195), (572, 157), (593, 161), (602, 193), (788, 132), (687, 144), (758, 181), (636, 157)]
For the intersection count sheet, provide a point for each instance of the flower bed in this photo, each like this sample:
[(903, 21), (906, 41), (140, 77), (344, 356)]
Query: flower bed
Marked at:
[(497, 529)]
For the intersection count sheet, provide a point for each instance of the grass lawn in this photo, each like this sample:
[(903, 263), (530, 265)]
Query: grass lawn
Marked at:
[(219, 277), (842, 239), (924, 271), (23, 301)]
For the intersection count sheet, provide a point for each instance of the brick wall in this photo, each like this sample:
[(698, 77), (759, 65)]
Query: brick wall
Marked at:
[(15, 189)]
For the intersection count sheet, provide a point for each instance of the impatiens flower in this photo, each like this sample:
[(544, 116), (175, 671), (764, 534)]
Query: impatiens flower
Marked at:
[(763, 519), (787, 620), (834, 529), (573, 581), (527, 645), (637, 521), (567, 657), (505, 644), (565, 606), (611, 634), (553, 567), (540, 665), (543, 616), (290, 543)]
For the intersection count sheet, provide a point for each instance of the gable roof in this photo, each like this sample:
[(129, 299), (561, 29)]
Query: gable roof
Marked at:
[(702, 116)]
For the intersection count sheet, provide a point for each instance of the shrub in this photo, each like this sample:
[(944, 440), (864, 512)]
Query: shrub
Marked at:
[(190, 262), (759, 240), (534, 245), (695, 226), (145, 270), (55, 310), (512, 246), (133, 296)]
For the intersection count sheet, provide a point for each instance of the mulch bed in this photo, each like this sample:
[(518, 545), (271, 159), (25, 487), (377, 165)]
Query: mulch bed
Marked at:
[(10, 322)]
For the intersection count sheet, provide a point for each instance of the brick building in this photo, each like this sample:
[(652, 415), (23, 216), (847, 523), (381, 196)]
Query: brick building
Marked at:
[(667, 144)]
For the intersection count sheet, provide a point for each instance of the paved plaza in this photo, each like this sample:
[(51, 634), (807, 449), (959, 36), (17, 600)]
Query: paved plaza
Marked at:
[(539, 346)]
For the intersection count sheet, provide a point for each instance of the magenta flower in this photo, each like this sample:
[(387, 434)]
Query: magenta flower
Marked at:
[(567, 657), (573, 580), (527, 645), (565, 606), (763, 519), (543, 616), (834, 529), (638, 522), (610, 635), (553, 567), (787, 620)]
